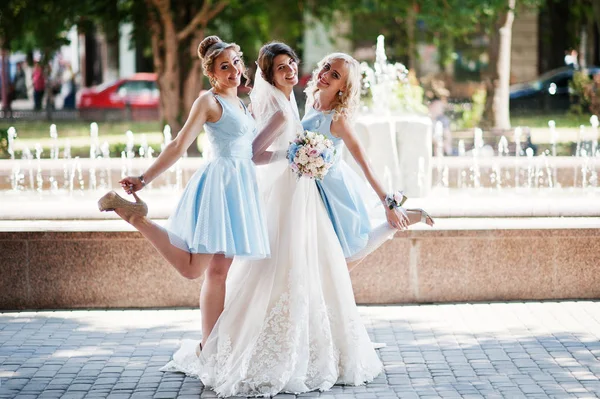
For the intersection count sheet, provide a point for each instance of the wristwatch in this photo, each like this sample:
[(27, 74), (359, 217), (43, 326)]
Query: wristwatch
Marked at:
[(141, 177)]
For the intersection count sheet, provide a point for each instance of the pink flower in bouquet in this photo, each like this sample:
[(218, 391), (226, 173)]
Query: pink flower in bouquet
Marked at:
[(310, 155), (398, 196)]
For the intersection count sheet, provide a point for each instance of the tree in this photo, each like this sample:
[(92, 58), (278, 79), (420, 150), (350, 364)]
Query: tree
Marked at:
[(458, 18), (584, 18), (447, 22), (12, 17), (35, 24), (178, 26)]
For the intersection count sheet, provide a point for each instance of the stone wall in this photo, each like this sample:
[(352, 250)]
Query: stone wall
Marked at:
[(460, 261)]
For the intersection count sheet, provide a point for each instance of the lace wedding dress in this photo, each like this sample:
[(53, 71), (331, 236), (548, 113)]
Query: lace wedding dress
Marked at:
[(290, 322)]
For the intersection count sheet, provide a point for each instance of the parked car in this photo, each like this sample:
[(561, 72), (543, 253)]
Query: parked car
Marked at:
[(135, 97), (549, 92)]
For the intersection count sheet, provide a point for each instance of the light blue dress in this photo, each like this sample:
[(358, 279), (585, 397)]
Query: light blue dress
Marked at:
[(220, 210), (342, 190)]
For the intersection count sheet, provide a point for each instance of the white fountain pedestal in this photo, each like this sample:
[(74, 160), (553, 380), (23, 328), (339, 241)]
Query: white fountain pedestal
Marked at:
[(400, 150)]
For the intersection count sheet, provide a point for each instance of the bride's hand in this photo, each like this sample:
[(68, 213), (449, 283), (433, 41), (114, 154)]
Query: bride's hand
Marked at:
[(397, 218), (131, 184)]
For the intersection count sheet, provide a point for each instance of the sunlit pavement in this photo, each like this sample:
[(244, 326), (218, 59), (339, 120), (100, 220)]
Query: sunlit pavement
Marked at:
[(487, 350)]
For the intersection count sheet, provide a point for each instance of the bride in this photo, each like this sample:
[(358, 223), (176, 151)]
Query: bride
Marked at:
[(290, 322)]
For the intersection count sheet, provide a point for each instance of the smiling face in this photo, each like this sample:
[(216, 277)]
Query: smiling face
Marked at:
[(285, 71), (335, 85), (332, 76), (227, 69)]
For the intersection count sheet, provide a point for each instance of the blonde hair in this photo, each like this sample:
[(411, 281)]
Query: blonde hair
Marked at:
[(347, 104), (212, 47)]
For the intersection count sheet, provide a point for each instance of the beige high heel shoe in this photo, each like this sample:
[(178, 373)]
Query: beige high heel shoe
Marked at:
[(111, 200), (425, 217)]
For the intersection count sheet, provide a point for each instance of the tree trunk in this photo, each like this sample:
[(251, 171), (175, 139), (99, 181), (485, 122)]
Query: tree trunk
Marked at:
[(411, 25), (169, 98), (164, 51), (167, 56), (497, 77), (501, 96), (193, 82), (5, 81), (490, 79), (596, 12)]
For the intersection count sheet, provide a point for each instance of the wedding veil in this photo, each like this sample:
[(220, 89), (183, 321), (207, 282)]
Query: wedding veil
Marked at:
[(277, 120)]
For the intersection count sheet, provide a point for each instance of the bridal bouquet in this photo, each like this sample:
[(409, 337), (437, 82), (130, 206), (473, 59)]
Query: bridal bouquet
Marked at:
[(311, 155)]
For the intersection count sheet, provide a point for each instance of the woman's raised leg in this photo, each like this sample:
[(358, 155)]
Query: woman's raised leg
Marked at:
[(189, 265)]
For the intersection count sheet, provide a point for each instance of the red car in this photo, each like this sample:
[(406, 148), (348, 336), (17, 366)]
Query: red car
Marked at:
[(135, 97)]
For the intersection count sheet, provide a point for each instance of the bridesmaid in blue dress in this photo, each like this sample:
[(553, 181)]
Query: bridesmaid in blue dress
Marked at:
[(219, 215), (333, 95)]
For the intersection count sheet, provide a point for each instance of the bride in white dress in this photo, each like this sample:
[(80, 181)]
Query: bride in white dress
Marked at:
[(290, 322)]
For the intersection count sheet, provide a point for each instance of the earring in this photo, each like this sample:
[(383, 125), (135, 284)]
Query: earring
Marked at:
[(340, 93), (212, 81)]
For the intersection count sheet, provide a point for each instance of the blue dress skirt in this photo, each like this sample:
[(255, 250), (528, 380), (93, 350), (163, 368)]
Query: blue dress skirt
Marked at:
[(220, 211)]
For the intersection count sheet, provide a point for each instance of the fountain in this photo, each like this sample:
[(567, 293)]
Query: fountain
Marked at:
[(393, 128), (509, 224), (50, 178), (513, 180)]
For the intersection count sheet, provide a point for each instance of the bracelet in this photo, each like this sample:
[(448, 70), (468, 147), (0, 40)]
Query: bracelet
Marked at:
[(141, 177), (395, 200)]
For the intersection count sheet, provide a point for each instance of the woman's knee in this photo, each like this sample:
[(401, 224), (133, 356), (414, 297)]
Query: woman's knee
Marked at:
[(218, 268)]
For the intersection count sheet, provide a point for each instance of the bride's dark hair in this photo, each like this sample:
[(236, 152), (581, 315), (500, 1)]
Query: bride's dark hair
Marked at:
[(267, 55)]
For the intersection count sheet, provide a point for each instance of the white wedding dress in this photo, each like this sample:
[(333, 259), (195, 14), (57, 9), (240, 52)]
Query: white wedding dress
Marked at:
[(290, 322)]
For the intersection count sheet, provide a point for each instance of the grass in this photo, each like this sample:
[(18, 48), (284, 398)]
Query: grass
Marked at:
[(564, 120), (41, 129), (78, 132), (30, 133)]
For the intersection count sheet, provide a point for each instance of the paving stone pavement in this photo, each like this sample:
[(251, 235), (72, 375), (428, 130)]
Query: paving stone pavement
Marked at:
[(488, 350)]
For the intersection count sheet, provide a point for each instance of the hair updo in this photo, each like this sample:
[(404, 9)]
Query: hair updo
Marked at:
[(266, 57), (210, 48)]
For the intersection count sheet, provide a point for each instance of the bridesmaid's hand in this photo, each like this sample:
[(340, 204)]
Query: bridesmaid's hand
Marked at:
[(131, 184), (397, 218)]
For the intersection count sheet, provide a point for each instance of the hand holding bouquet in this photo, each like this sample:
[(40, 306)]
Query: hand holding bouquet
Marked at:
[(311, 155)]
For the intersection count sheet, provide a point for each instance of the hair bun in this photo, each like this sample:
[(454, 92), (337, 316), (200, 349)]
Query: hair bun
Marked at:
[(206, 43)]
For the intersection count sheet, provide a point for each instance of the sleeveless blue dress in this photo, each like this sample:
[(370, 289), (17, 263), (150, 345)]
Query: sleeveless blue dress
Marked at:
[(220, 210), (341, 190)]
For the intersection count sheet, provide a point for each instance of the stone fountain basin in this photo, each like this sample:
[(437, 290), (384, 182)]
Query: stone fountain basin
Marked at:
[(105, 263)]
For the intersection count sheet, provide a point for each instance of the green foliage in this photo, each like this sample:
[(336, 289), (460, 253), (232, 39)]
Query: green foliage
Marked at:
[(585, 94), (38, 24), (471, 117), (3, 143), (449, 24), (407, 93), (580, 96), (582, 13), (411, 98)]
